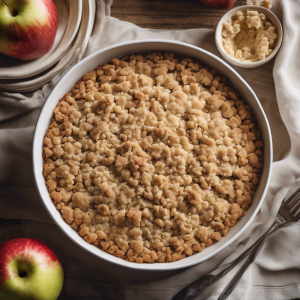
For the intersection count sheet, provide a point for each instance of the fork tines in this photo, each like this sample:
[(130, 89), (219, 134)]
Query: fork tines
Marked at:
[(290, 208)]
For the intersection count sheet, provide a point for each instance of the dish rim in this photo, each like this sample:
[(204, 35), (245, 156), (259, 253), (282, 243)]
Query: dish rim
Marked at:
[(108, 257)]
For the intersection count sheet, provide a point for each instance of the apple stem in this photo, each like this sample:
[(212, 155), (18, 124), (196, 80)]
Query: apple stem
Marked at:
[(11, 11)]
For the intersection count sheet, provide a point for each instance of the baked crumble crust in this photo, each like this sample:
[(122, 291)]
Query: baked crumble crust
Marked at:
[(152, 158)]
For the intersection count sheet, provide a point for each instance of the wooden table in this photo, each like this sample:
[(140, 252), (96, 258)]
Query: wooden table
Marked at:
[(158, 14), (168, 14)]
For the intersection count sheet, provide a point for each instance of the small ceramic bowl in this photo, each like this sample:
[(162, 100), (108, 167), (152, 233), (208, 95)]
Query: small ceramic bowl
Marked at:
[(270, 16)]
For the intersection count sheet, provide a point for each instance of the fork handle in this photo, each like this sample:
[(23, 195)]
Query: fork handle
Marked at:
[(237, 277), (194, 289)]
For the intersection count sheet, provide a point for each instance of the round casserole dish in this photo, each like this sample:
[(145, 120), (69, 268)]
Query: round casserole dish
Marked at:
[(66, 84)]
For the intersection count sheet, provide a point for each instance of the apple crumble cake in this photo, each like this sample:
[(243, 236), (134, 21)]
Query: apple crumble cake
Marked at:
[(152, 158)]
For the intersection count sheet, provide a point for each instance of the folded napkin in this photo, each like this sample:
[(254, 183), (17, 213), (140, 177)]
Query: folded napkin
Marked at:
[(276, 271)]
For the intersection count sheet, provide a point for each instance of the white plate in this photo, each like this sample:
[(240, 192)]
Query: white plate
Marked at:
[(69, 17), (91, 62), (72, 56)]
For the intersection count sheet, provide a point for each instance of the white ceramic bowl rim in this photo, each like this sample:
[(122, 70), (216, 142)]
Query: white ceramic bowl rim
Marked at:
[(269, 14), (72, 234)]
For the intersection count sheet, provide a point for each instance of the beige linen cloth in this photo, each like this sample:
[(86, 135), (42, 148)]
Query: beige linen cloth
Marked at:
[(276, 271)]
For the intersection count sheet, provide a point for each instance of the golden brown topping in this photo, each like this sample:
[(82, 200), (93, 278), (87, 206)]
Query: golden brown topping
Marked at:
[(152, 158)]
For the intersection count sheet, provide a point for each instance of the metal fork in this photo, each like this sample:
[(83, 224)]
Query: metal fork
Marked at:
[(288, 212)]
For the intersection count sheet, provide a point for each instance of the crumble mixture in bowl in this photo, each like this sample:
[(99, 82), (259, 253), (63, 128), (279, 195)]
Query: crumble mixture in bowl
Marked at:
[(152, 158), (248, 36)]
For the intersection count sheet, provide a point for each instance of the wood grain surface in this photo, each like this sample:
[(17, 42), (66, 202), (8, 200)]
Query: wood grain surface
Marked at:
[(168, 14), (11, 229), (158, 14)]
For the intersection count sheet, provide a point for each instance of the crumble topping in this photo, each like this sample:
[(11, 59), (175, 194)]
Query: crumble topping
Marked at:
[(152, 158), (249, 36), (264, 3)]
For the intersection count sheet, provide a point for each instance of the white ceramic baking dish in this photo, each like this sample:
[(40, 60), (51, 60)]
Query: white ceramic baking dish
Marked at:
[(103, 56)]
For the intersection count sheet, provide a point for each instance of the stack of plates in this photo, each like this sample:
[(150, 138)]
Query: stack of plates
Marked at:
[(75, 24)]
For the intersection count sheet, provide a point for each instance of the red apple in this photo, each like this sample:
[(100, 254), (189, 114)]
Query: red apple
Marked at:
[(27, 28), (29, 270), (220, 4)]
